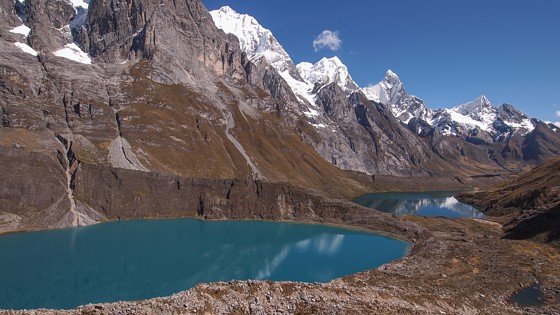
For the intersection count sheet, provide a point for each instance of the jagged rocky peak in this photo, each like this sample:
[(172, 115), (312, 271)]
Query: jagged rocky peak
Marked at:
[(326, 71), (474, 119), (478, 113), (391, 92), (510, 111), (393, 81), (386, 91), (480, 119), (476, 107)]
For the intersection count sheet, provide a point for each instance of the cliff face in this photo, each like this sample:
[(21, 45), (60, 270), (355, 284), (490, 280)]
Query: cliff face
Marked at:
[(179, 37)]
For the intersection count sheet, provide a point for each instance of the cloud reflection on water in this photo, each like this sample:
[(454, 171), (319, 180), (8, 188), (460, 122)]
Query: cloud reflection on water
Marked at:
[(324, 244)]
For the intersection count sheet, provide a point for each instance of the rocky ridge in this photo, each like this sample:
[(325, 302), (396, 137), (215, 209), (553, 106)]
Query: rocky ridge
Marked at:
[(477, 119)]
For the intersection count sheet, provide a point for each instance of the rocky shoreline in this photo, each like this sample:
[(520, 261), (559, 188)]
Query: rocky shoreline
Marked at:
[(455, 266)]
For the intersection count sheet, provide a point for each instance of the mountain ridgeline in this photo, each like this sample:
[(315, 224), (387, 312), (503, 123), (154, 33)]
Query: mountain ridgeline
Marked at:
[(114, 96), (471, 138)]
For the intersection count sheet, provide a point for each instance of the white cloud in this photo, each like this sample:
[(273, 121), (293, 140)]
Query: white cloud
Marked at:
[(327, 39), (558, 113)]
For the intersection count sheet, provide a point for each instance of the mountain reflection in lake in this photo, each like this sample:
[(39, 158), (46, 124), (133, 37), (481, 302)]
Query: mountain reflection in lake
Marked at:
[(421, 204)]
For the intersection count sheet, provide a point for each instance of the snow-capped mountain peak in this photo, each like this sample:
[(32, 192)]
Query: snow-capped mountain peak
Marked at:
[(474, 107), (477, 118), (477, 113), (391, 76), (470, 118), (326, 71), (391, 92), (387, 90), (259, 42), (254, 39)]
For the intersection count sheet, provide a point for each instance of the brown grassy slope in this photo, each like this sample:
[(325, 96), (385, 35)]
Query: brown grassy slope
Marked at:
[(177, 130), (534, 189), (529, 206)]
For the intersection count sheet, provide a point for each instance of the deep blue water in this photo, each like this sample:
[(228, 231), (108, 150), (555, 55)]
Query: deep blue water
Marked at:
[(430, 204), (134, 260)]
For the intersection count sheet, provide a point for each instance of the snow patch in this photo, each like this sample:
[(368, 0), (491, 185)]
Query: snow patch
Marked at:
[(79, 4), (311, 113), (22, 29), (74, 53), (301, 89), (526, 124), (485, 124), (26, 49)]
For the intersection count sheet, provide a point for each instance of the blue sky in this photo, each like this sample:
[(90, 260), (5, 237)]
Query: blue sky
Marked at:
[(446, 52)]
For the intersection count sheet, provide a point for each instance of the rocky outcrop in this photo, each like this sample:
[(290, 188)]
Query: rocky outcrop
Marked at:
[(126, 194), (210, 123), (178, 36), (8, 14), (283, 101), (49, 22), (541, 143)]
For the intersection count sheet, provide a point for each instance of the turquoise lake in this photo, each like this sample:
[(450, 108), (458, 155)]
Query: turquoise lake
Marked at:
[(133, 260), (429, 204)]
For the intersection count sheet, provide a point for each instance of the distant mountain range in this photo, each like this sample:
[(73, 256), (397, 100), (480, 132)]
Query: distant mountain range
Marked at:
[(477, 122), (475, 119)]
